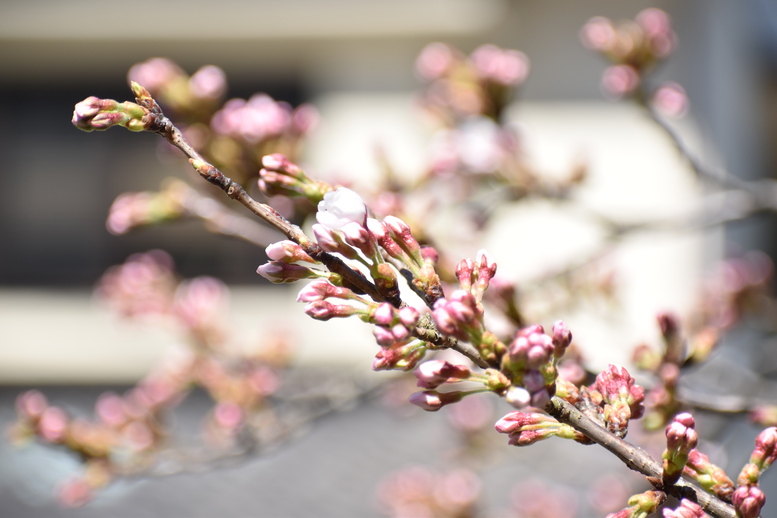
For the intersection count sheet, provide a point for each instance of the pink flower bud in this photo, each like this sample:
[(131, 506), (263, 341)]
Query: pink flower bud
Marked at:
[(748, 501), (209, 82), (562, 337), (228, 415), (620, 80), (323, 310), (687, 509), (384, 336), (507, 67), (518, 397), (409, 316), (671, 100), (281, 273), (765, 452), (279, 163), (434, 373), (320, 290), (435, 60), (357, 235), (680, 434), (464, 272), (598, 34), (75, 493), (385, 314), (431, 400), (110, 409), (401, 355), (531, 348), (401, 233), (31, 404), (288, 252), (53, 424)]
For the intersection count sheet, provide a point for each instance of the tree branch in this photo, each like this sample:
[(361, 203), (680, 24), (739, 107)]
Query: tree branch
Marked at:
[(636, 459)]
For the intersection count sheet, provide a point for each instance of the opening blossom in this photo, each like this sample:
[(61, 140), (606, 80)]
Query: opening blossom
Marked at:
[(340, 207)]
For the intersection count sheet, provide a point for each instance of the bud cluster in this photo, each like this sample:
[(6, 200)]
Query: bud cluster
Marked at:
[(709, 476), (100, 114), (633, 47), (748, 498), (641, 505), (681, 439), (525, 428), (280, 176), (464, 86), (419, 491), (687, 509)]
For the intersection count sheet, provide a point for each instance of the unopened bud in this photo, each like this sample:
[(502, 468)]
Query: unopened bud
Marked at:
[(434, 373), (431, 400), (748, 501)]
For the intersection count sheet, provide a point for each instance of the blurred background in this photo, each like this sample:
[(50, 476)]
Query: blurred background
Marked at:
[(353, 59)]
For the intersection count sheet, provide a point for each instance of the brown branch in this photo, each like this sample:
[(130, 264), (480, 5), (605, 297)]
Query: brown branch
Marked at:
[(636, 459)]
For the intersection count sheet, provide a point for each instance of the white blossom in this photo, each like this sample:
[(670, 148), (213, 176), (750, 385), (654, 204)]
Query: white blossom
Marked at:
[(340, 207)]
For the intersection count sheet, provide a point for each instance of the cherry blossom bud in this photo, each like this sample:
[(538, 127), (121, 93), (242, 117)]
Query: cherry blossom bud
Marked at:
[(434, 373), (748, 501), (681, 438), (562, 337), (620, 80), (31, 404), (324, 310), (288, 252), (409, 316), (279, 163), (53, 424), (384, 336), (281, 273), (322, 289), (464, 271), (209, 82), (765, 452), (530, 348), (431, 400), (641, 505), (519, 397), (709, 476), (384, 314), (687, 509), (357, 235), (340, 207), (75, 493), (486, 269), (435, 60), (598, 34), (331, 241), (458, 316), (503, 66), (400, 355), (527, 428), (100, 114), (401, 233), (430, 255), (671, 100), (110, 409)]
